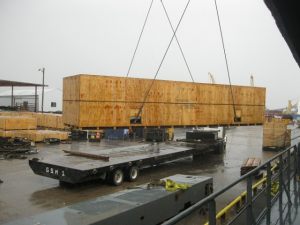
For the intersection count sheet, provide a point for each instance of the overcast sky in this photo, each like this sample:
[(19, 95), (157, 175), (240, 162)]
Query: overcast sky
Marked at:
[(69, 37)]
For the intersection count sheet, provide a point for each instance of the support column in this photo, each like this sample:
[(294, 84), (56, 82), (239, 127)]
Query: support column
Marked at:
[(35, 99), (12, 96)]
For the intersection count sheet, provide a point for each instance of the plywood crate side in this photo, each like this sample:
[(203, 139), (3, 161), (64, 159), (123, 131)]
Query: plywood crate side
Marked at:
[(71, 113), (134, 89), (17, 123), (41, 135), (118, 114), (59, 122), (71, 87)]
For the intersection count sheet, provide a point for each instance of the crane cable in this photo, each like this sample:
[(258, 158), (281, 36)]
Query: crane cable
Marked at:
[(162, 60), (226, 61), (139, 40), (185, 61)]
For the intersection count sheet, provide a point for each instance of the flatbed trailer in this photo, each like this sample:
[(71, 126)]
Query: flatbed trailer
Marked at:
[(123, 163)]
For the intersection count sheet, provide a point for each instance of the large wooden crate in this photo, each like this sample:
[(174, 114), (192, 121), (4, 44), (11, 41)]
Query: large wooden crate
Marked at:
[(35, 135), (105, 101), (17, 123), (276, 134)]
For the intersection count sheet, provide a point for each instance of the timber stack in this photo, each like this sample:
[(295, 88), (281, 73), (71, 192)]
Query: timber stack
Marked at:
[(91, 101)]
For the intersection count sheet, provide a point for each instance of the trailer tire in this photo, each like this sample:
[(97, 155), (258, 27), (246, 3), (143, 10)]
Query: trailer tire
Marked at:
[(132, 173), (116, 177)]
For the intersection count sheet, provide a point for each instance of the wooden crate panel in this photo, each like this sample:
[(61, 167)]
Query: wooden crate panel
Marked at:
[(47, 120), (276, 133), (108, 88), (17, 113), (17, 123), (97, 114), (104, 101), (41, 135), (11, 133), (50, 120)]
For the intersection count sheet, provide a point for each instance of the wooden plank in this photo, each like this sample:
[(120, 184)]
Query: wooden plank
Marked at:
[(105, 101), (88, 155)]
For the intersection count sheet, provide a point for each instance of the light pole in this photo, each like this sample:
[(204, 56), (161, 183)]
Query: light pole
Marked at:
[(43, 71)]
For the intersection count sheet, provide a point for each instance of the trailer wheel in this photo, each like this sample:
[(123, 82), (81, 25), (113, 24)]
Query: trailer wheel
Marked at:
[(132, 173), (116, 177)]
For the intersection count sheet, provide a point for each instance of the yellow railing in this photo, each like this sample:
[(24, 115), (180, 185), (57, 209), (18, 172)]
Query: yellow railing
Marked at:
[(242, 196)]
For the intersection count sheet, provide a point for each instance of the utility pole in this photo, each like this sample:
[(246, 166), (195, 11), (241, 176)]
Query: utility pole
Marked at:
[(251, 81), (43, 71)]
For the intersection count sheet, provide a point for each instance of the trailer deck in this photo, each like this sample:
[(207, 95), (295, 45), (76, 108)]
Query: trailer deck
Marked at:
[(74, 169)]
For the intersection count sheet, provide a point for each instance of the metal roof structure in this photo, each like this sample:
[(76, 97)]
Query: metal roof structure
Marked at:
[(9, 83), (13, 84)]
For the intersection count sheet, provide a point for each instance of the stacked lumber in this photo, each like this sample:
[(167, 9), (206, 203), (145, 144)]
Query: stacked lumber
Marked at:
[(105, 101), (17, 123), (35, 135), (276, 134)]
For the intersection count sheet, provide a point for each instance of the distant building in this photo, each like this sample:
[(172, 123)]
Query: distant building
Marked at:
[(25, 99)]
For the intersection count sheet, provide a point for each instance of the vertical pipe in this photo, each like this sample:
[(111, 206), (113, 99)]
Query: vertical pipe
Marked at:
[(288, 173), (298, 160), (12, 96), (268, 192), (280, 189), (212, 212), (43, 70), (295, 165), (249, 201), (35, 98)]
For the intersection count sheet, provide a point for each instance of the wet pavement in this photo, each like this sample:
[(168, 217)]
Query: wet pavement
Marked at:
[(23, 193)]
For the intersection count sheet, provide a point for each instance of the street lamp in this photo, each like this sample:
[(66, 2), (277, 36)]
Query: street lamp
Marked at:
[(43, 71)]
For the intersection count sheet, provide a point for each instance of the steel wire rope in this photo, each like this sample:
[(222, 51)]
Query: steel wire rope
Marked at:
[(226, 60), (162, 60), (184, 58), (140, 37)]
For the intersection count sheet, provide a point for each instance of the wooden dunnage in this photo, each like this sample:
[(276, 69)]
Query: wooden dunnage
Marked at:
[(105, 101), (249, 164)]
